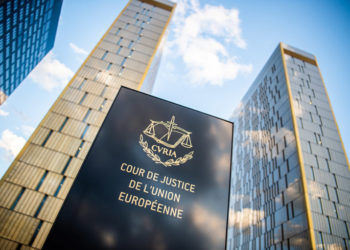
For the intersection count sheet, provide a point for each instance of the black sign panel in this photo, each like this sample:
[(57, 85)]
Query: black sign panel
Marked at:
[(156, 177)]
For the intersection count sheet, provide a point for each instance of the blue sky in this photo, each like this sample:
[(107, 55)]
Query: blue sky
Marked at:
[(214, 52)]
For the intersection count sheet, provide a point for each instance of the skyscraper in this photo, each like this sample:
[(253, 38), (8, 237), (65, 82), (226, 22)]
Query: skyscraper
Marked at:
[(291, 180), (27, 33), (35, 186)]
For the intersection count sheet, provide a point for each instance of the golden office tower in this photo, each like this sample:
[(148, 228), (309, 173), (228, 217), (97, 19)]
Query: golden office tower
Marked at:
[(35, 186), (291, 179)]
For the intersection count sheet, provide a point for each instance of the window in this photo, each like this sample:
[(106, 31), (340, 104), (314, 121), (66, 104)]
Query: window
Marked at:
[(273, 69), (67, 164), (87, 115), (1, 13), (41, 180), (131, 44), (123, 62), (117, 32), (40, 206), (63, 124), (85, 130), (80, 148), (293, 72), (119, 49), (8, 24), (109, 66), (47, 138), (59, 186), (83, 98), (126, 26), (17, 199), (8, 8), (104, 55), (120, 40), (102, 105)]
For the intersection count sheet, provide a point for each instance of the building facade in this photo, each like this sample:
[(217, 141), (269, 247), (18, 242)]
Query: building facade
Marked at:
[(35, 186), (27, 33), (291, 181)]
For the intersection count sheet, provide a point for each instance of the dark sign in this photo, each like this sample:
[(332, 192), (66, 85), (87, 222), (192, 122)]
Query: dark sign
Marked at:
[(156, 177)]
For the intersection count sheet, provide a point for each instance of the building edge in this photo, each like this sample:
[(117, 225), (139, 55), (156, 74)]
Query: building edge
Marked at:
[(299, 152)]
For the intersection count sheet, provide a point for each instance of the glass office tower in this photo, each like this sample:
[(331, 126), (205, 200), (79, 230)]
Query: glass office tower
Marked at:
[(35, 186), (291, 180), (27, 33)]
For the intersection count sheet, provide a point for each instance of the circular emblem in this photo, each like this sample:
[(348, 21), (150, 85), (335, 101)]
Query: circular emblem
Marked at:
[(166, 138)]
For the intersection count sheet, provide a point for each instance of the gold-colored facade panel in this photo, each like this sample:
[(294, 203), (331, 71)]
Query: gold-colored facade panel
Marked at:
[(50, 209), (8, 245), (73, 95), (66, 108), (92, 101), (88, 72), (39, 156), (25, 175), (53, 121), (50, 183), (157, 22), (42, 235), (63, 143), (299, 56), (141, 57), (93, 87), (137, 66), (29, 202), (97, 64), (41, 135), (73, 128), (84, 150), (73, 167), (91, 133), (145, 49), (9, 192), (65, 188), (158, 4), (96, 117), (110, 94), (18, 227), (132, 75)]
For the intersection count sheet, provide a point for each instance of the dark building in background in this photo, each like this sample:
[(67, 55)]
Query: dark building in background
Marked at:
[(27, 33)]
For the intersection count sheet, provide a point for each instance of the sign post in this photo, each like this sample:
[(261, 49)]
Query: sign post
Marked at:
[(156, 177)]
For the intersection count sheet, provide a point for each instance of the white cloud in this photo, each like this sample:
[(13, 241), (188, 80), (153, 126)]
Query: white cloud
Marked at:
[(51, 73), (3, 113), (208, 222), (27, 130), (201, 38), (12, 143), (78, 50), (245, 218)]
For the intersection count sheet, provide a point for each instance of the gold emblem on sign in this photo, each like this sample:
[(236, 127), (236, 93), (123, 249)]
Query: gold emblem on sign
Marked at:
[(168, 136)]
